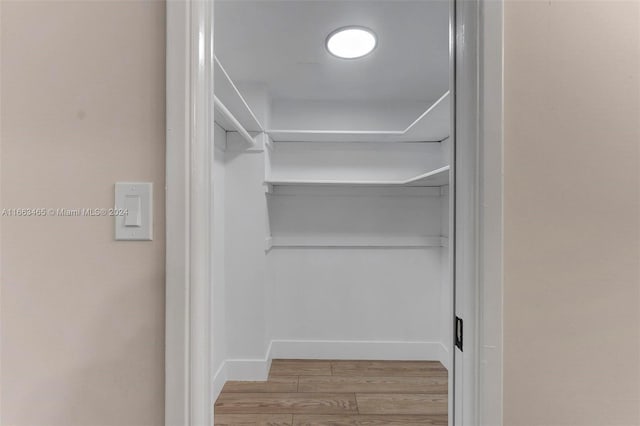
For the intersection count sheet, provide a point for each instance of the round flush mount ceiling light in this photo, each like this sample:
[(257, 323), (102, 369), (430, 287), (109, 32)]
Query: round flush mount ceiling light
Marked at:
[(351, 42)]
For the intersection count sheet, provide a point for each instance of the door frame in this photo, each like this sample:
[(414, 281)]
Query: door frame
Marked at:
[(189, 139), (189, 136), (478, 282)]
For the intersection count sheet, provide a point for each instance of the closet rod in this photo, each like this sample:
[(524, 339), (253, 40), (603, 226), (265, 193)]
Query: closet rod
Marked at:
[(233, 120)]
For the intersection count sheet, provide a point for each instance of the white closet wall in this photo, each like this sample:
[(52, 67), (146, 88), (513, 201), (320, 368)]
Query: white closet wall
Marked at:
[(331, 115), (326, 249), (357, 266), (380, 294), (353, 161), (219, 326), (446, 227), (245, 260), (446, 289), (241, 246)]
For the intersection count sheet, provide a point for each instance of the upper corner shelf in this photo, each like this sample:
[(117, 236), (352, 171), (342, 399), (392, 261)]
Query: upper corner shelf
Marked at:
[(438, 177), (232, 112), (430, 126)]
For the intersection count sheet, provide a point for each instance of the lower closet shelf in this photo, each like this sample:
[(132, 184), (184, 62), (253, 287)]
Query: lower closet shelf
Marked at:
[(438, 177), (355, 242)]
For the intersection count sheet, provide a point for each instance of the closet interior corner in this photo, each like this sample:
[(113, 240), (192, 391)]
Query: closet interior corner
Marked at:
[(331, 188)]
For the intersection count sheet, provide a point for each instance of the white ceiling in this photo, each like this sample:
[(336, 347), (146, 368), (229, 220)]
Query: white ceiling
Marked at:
[(281, 44)]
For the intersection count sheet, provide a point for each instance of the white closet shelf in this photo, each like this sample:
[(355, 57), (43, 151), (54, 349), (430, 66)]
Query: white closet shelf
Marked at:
[(232, 112), (320, 241), (229, 122), (430, 126), (438, 177)]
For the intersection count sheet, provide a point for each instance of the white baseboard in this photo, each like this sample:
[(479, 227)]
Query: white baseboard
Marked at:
[(219, 379), (248, 369), (257, 369), (242, 369), (445, 358), (353, 349)]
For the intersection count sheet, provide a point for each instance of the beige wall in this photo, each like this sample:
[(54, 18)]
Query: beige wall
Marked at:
[(82, 98), (572, 213)]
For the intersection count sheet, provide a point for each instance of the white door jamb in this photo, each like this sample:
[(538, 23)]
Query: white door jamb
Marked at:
[(189, 92)]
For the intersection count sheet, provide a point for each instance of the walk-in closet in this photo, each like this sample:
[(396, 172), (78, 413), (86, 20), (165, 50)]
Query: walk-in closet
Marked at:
[(332, 212)]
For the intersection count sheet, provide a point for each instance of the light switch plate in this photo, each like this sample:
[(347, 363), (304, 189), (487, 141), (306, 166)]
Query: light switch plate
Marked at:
[(134, 211)]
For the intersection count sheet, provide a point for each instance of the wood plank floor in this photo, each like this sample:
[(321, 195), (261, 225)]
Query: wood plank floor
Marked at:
[(336, 393)]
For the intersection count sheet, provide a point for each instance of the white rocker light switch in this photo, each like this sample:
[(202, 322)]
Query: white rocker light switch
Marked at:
[(133, 211), (133, 215)]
